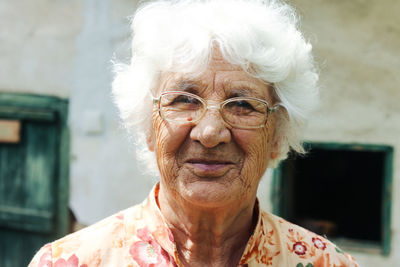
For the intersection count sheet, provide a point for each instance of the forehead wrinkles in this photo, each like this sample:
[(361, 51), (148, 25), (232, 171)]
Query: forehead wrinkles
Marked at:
[(225, 73), (219, 77), (218, 63), (183, 82), (240, 82)]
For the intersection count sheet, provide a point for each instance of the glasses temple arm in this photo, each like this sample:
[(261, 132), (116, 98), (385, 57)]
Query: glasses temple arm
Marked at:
[(275, 108)]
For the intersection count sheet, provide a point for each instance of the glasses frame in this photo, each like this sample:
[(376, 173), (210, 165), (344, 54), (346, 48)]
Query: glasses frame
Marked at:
[(218, 106)]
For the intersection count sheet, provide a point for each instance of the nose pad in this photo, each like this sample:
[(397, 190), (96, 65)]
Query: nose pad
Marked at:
[(211, 130), (213, 107)]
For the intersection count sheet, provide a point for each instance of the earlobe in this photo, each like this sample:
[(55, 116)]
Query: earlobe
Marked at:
[(150, 141), (275, 150)]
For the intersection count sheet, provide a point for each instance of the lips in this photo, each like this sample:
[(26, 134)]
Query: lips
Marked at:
[(209, 167), (208, 161)]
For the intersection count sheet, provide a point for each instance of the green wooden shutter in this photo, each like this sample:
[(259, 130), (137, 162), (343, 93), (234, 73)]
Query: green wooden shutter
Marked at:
[(33, 176)]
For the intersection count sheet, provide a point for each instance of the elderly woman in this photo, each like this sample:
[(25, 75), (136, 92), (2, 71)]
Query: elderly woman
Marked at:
[(218, 91)]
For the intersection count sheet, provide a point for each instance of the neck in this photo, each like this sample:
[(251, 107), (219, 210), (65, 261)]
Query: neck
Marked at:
[(209, 236)]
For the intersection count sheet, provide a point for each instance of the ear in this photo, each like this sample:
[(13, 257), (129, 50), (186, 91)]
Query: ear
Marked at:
[(274, 153), (150, 140), (275, 149)]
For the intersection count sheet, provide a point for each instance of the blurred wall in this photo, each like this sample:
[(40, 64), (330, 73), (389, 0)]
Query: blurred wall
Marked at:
[(64, 48), (357, 46)]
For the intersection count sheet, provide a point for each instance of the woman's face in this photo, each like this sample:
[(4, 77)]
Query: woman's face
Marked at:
[(209, 163)]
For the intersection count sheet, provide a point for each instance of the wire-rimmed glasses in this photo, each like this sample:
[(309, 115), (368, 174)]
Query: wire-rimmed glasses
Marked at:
[(238, 112)]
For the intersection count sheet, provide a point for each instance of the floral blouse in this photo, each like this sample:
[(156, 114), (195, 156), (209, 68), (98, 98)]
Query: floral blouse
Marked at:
[(139, 236)]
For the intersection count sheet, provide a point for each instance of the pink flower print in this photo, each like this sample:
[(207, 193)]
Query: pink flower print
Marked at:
[(299, 248), (72, 261), (148, 253), (144, 254), (45, 259), (144, 234), (318, 243)]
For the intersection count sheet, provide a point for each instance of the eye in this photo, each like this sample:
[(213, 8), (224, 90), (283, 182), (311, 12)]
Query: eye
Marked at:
[(243, 107), (182, 102), (239, 107), (185, 99), (243, 104)]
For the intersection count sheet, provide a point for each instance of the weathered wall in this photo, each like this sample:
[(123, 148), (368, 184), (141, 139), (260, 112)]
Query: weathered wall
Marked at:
[(37, 45), (64, 48), (104, 174), (357, 46)]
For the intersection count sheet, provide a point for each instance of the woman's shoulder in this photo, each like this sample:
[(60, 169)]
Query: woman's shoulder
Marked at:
[(91, 244), (303, 247)]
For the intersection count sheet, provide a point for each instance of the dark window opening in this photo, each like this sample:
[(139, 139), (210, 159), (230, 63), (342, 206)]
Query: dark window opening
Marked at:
[(338, 191)]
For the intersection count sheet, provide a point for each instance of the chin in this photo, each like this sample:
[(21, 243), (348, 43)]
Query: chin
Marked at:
[(210, 193)]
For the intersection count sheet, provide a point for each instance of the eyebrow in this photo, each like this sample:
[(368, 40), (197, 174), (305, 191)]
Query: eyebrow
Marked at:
[(245, 91), (190, 86), (195, 86)]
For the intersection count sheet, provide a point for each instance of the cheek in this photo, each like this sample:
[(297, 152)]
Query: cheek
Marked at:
[(168, 140), (256, 145)]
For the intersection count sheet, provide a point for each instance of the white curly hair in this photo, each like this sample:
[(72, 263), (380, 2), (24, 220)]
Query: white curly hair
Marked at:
[(260, 36)]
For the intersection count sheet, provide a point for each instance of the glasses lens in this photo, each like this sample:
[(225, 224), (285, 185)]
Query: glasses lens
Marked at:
[(245, 112), (180, 107)]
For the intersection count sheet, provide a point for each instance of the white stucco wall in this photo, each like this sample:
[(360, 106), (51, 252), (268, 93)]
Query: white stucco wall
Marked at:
[(357, 46), (37, 45), (104, 173), (64, 48)]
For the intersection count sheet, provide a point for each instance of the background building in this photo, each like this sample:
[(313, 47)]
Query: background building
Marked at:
[(64, 49)]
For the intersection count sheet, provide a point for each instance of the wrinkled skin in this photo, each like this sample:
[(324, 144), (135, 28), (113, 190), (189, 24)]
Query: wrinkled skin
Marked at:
[(243, 153)]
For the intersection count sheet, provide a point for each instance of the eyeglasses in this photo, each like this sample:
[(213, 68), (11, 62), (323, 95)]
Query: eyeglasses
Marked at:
[(238, 112)]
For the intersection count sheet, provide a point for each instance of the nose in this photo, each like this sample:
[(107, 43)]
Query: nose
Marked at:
[(211, 130)]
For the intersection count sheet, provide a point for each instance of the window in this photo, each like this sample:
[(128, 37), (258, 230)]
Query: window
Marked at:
[(342, 191)]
